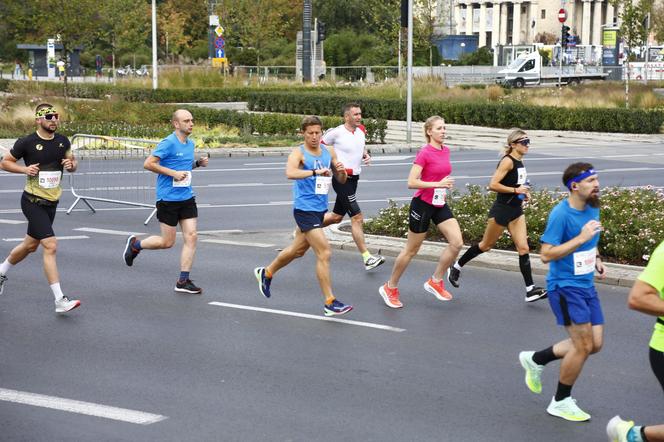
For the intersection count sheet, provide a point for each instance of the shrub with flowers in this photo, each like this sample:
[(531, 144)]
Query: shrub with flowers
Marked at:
[(633, 220)]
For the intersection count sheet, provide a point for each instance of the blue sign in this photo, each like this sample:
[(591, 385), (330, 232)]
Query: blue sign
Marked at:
[(221, 53), (219, 42)]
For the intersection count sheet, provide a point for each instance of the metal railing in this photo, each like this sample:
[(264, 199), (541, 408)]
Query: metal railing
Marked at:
[(104, 157)]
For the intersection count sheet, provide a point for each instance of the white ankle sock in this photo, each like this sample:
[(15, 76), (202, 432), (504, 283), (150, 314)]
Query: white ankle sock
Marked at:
[(5, 266), (57, 291)]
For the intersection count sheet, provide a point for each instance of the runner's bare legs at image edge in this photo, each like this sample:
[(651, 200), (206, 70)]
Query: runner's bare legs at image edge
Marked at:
[(312, 166), (173, 161), (45, 155), (349, 143), (646, 296), (569, 245)]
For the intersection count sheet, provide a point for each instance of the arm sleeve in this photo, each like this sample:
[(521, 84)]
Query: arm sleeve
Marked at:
[(654, 272), (553, 234), (19, 149), (163, 149)]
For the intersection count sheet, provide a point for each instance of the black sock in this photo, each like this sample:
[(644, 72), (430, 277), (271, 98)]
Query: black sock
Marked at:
[(524, 265), (563, 392), (545, 356), (471, 253)]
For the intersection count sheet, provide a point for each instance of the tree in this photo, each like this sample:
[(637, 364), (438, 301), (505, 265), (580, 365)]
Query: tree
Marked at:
[(124, 26), (171, 24), (424, 28), (657, 20), (633, 17)]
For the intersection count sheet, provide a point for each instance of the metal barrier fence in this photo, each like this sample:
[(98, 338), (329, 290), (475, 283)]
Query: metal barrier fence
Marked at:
[(103, 158)]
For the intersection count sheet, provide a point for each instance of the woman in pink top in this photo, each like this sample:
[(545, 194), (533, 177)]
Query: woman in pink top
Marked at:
[(430, 175)]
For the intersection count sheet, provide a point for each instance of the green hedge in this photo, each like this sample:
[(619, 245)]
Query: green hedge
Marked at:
[(633, 220), (477, 114)]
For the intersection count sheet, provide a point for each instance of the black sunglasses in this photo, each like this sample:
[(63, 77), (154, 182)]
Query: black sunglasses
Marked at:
[(524, 142)]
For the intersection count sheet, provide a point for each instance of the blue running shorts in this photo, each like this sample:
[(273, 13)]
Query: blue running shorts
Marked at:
[(576, 305)]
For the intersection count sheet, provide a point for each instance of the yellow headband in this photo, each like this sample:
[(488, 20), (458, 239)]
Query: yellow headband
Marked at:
[(45, 111)]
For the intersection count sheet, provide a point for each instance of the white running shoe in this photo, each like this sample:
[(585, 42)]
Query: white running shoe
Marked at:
[(567, 409), (373, 261), (64, 304), (3, 279), (617, 429)]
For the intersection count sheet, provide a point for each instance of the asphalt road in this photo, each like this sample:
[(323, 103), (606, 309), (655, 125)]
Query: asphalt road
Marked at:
[(431, 371)]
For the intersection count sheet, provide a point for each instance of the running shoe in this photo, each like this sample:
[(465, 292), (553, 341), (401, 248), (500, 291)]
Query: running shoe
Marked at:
[(3, 279), (263, 281), (390, 296), (437, 289), (336, 308), (567, 409), (187, 286), (453, 275), (536, 293), (64, 304), (533, 371), (373, 261), (130, 253), (617, 429)]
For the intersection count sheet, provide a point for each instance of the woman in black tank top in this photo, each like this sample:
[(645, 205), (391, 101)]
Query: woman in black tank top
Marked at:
[(509, 181)]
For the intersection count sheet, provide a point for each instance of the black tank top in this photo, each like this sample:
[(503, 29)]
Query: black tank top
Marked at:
[(511, 179)]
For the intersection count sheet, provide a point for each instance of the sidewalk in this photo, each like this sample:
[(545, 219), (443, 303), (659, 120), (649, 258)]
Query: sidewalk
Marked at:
[(616, 274)]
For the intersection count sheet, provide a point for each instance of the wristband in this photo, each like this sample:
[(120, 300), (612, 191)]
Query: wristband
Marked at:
[(313, 172)]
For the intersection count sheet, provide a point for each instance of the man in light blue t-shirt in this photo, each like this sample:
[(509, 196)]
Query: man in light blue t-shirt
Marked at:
[(569, 245), (173, 161)]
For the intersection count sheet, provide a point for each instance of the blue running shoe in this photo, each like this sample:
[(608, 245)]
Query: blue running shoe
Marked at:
[(263, 281), (336, 308)]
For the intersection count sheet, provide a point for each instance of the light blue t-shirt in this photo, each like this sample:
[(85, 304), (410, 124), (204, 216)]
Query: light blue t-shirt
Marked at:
[(177, 156), (304, 190), (578, 268)]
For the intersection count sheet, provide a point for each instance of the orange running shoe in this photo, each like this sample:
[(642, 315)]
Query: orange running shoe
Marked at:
[(437, 289), (390, 296)]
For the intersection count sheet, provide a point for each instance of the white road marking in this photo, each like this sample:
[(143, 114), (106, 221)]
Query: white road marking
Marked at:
[(107, 231), (80, 407), (12, 221), (238, 243), (307, 316), (218, 231), (57, 237)]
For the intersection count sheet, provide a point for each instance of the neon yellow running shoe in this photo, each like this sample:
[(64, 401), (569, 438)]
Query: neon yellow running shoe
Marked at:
[(617, 429), (533, 371)]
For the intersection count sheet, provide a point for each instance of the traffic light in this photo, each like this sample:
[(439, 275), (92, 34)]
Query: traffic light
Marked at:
[(565, 37), (404, 13), (321, 31)]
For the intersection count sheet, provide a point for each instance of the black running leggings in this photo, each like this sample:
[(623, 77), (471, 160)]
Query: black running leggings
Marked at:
[(657, 365)]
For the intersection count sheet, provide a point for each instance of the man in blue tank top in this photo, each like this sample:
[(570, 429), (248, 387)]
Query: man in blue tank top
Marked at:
[(312, 166), (569, 245)]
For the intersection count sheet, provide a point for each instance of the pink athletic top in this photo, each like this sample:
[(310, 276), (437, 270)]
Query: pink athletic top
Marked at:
[(435, 166)]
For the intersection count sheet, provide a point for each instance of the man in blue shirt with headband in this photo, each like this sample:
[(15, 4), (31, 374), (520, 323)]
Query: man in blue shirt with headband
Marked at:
[(569, 245)]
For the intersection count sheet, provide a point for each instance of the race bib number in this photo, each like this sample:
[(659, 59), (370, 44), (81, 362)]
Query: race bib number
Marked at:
[(522, 176), (584, 262), (323, 184), (439, 195), (49, 179), (186, 182)]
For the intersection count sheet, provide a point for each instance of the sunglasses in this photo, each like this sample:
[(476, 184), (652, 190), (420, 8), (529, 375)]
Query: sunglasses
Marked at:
[(50, 117), (524, 142)]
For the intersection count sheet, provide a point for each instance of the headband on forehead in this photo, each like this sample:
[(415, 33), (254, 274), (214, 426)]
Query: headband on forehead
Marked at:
[(580, 177), (45, 111)]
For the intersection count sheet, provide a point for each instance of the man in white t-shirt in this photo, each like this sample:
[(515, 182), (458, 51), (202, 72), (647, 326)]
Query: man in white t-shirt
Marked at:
[(349, 143)]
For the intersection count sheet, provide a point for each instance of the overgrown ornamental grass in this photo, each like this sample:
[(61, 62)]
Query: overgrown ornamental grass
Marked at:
[(633, 220)]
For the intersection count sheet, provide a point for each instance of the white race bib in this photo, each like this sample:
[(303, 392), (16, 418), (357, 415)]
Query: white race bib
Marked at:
[(186, 182), (584, 262), (49, 179), (522, 176), (439, 195), (323, 184)]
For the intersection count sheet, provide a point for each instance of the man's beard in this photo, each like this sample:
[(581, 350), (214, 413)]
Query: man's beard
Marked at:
[(593, 200)]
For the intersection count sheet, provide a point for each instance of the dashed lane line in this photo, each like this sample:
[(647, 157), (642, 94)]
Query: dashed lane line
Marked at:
[(238, 243), (59, 238)]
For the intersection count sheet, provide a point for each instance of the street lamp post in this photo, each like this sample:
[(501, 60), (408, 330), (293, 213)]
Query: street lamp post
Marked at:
[(154, 44)]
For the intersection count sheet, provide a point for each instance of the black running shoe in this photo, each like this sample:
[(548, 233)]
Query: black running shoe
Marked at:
[(263, 281), (187, 286), (130, 253), (453, 275), (535, 294)]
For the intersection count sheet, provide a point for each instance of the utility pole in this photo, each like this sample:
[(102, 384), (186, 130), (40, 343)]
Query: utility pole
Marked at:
[(154, 44), (306, 41)]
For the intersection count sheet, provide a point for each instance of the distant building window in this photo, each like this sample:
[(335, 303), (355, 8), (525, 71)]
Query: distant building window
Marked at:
[(543, 14)]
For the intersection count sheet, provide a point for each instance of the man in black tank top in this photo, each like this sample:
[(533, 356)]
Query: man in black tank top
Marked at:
[(510, 182)]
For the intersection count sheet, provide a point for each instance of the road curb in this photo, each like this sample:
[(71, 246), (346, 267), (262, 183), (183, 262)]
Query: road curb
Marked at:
[(617, 274)]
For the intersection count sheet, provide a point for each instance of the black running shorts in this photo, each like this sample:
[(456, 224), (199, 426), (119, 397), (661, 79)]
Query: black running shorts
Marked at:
[(657, 365), (346, 202), (171, 212), (40, 214), (504, 213), (422, 213)]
